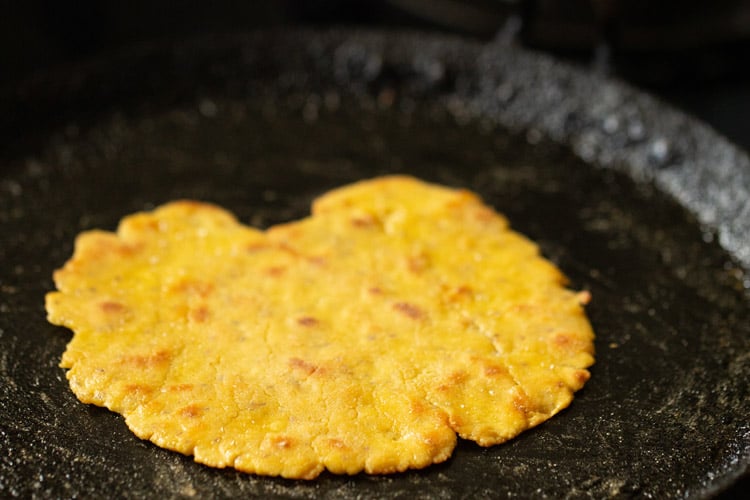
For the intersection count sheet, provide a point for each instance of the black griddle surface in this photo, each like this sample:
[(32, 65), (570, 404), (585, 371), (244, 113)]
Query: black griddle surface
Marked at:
[(665, 414)]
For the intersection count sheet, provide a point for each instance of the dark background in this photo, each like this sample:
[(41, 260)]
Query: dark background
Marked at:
[(693, 54)]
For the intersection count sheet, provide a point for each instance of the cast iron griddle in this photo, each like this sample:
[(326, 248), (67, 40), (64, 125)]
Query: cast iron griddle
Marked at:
[(638, 204)]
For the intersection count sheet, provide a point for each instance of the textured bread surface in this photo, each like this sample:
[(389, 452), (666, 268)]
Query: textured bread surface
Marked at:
[(365, 337)]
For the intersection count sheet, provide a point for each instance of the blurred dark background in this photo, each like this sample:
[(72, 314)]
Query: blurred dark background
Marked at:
[(694, 54)]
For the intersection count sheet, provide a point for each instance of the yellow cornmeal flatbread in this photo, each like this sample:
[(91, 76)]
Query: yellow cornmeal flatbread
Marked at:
[(362, 338)]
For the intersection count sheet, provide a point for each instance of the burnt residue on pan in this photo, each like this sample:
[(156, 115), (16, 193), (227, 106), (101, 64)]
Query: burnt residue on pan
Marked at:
[(631, 199)]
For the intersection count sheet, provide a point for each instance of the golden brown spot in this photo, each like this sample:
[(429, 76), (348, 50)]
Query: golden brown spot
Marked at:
[(305, 366), (458, 378), (563, 339), (455, 421), (375, 290), (583, 297), (408, 309), (193, 287), (463, 292), (434, 439), (139, 389), (282, 442), (199, 314), (318, 260), (417, 407), (521, 403), (104, 247), (455, 379), (570, 342), (98, 246), (336, 443), (254, 405), (289, 249), (179, 387), (582, 376), (191, 411), (483, 214), (524, 308), (417, 262), (307, 321), (363, 221), (275, 271), (149, 360), (111, 307), (467, 323), (492, 371), (257, 246)]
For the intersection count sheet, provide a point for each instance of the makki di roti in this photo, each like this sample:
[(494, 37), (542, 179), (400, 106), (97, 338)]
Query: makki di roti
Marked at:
[(362, 338)]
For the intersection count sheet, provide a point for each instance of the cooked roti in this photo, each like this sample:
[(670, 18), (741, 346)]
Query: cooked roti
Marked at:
[(366, 337)]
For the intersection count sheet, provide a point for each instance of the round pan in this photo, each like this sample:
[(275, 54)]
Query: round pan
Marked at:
[(637, 203)]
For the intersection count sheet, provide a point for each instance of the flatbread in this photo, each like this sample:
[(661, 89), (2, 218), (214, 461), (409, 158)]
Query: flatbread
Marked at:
[(362, 338)]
